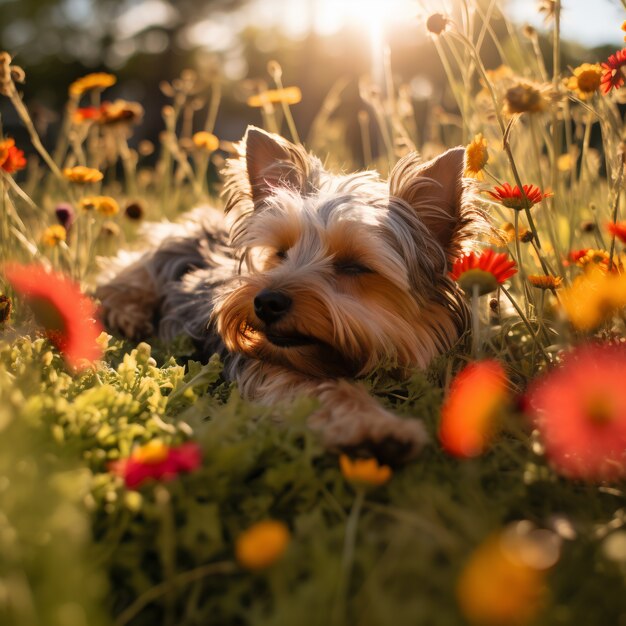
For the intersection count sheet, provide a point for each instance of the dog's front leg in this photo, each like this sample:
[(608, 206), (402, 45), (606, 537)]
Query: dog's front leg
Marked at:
[(348, 418)]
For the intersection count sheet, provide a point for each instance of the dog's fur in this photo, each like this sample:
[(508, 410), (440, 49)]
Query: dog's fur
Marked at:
[(363, 261)]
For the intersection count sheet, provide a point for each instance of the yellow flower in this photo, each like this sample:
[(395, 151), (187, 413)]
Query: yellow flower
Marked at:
[(105, 205), (82, 174), (262, 544), (476, 156), (545, 282), (53, 235), (364, 471), (287, 95), (206, 141), (154, 451), (525, 97), (99, 80), (586, 80), (120, 111), (594, 297)]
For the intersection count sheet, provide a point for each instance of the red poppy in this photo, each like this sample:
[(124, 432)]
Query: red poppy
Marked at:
[(486, 271), (11, 158), (580, 411), (612, 77), (512, 197), (157, 461), (617, 229), (67, 316), (469, 412)]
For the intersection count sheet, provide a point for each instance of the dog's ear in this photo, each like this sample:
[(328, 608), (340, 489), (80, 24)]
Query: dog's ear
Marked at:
[(435, 191), (271, 162)]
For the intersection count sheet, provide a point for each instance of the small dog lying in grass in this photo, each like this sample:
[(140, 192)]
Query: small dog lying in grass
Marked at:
[(322, 279)]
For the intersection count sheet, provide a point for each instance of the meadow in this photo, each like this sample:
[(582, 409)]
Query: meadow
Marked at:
[(138, 488)]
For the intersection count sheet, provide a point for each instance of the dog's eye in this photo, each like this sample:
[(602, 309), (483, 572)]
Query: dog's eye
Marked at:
[(281, 254), (350, 268)]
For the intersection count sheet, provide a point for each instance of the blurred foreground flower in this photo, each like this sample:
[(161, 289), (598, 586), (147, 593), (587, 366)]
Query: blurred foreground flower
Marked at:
[(612, 77), (82, 174), (617, 229), (67, 316), (512, 198), (586, 80), (205, 141), (11, 158), (594, 297), (580, 411), (485, 271), (469, 413), (105, 205), (287, 95), (262, 545), (476, 157), (525, 97), (364, 471), (98, 80), (503, 582), (120, 111), (158, 461), (53, 235)]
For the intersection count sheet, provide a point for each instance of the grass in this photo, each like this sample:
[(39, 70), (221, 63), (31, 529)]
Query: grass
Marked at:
[(78, 547)]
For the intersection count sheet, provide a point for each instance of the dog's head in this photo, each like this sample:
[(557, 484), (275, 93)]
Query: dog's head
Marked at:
[(344, 273)]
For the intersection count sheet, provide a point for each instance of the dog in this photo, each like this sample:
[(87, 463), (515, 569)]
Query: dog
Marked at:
[(319, 280)]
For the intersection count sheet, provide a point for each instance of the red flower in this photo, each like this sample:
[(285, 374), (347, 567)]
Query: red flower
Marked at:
[(469, 412), (486, 271), (87, 113), (617, 229), (11, 158), (66, 315), (612, 77), (580, 411), (576, 255), (157, 461), (512, 197)]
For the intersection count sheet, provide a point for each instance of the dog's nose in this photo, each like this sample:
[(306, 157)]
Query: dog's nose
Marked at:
[(270, 305)]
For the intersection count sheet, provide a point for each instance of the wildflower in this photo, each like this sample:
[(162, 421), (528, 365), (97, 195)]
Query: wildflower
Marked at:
[(594, 297), (506, 234), (105, 205), (5, 308), (53, 235), (504, 579), (580, 411), (623, 27), (364, 471), (524, 97), (86, 114), (512, 197), (548, 8), (617, 229), (586, 80), (65, 314), (486, 271), (437, 23), (287, 95), (206, 141), (82, 174), (65, 215), (158, 461), (120, 111), (545, 282), (134, 211), (612, 77), (11, 158), (476, 156), (470, 411), (565, 163), (262, 544), (109, 229), (589, 257), (98, 80)]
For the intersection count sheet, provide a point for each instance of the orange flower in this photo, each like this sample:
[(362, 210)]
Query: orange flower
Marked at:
[(53, 235), (11, 158), (586, 80), (512, 197), (485, 271), (262, 544), (206, 141), (85, 114), (120, 111), (82, 174), (97, 80), (287, 95), (364, 471), (477, 394), (580, 411), (476, 156), (105, 205), (617, 229), (612, 78), (66, 315), (545, 282)]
